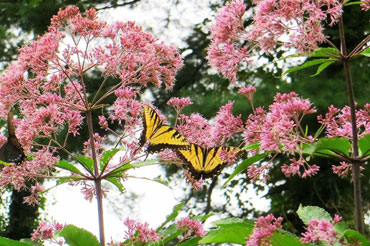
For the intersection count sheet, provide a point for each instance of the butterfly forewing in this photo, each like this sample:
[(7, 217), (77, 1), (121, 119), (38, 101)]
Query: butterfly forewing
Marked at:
[(160, 136)]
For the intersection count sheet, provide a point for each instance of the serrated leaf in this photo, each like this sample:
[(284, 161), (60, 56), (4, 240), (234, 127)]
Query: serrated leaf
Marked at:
[(366, 52), (168, 234), (309, 149), (322, 67), (244, 165), (9, 242), (107, 155), (340, 228), (69, 179), (255, 145), (116, 182), (364, 145), (87, 162), (328, 145), (132, 165), (173, 215), (353, 236), (68, 166), (285, 239), (308, 213), (190, 242), (228, 231), (324, 52), (75, 236), (308, 64)]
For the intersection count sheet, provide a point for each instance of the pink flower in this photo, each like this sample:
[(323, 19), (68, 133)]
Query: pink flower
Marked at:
[(301, 22), (179, 103), (225, 124), (248, 92), (190, 227), (365, 5), (264, 227), (45, 231), (338, 121), (279, 130), (320, 230), (138, 232)]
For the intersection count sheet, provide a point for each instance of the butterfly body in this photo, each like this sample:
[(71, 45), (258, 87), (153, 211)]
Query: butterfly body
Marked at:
[(204, 163), (160, 136)]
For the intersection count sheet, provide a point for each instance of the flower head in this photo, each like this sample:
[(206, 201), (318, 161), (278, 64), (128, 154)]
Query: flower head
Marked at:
[(139, 232), (190, 227), (264, 227)]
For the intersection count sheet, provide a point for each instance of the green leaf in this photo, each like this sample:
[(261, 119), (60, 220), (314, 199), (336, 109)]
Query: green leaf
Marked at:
[(353, 236), (255, 145), (107, 155), (308, 213), (5, 163), (229, 230), (134, 165), (352, 3), (88, 162), (68, 166), (75, 236), (173, 215), (322, 67), (326, 146), (324, 52), (168, 234), (366, 52), (9, 242), (284, 238), (364, 145), (116, 182), (308, 64), (69, 179), (245, 164), (190, 242)]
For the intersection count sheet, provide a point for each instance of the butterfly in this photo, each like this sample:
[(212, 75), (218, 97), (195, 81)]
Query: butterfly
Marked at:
[(12, 150), (160, 136), (205, 163)]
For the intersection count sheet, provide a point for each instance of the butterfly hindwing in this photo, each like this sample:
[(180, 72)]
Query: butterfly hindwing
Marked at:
[(160, 136), (204, 162)]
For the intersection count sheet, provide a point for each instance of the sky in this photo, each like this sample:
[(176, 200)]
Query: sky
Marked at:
[(153, 201)]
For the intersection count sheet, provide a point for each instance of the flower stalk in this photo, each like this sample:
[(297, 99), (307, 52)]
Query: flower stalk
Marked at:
[(97, 178), (355, 153)]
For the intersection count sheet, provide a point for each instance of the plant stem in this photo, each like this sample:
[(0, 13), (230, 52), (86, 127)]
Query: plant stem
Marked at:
[(99, 193), (355, 165)]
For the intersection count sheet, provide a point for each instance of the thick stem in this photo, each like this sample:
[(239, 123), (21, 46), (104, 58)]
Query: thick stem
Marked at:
[(99, 193), (351, 99)]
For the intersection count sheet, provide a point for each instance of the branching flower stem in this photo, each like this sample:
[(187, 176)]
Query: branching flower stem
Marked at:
[(99, 193), (355, 153)]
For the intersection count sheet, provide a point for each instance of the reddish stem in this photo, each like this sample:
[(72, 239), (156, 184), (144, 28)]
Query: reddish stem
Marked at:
[(359, 221), (97, 178)]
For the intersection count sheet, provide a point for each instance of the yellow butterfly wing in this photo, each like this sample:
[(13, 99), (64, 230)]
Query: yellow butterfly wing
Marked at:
[(160, 136), (204, 162)]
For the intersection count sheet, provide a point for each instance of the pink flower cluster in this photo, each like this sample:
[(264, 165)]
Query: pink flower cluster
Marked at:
[(190, 227), (140, 233), (179, 103), (302, 21), (263, 229), (322, 230), (46, 231), (365, 5), (48, 84), (224, 52), (198, 130), (279, 130), (338, 121)]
